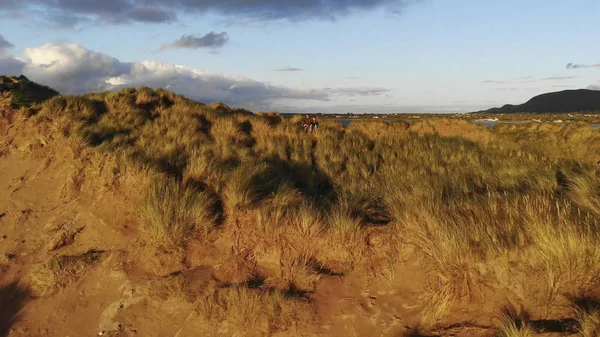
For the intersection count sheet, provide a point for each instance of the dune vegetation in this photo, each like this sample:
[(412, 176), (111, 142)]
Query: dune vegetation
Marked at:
[(20, 91), (491, 214)]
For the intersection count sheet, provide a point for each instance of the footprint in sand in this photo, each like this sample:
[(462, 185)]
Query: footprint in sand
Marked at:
[(107, 321)]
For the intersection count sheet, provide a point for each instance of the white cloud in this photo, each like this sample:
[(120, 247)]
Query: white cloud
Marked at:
[(358, 91), (73, 69), (205, 86)]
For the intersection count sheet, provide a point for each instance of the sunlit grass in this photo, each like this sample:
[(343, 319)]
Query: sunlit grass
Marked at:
[(172, 213), (61, 271), (462, 194)]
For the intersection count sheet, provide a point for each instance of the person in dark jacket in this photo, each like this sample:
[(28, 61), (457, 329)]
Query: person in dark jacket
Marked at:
[(305, 123)]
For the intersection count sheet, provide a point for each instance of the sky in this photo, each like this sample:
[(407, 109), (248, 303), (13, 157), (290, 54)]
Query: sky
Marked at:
[(332, 56)]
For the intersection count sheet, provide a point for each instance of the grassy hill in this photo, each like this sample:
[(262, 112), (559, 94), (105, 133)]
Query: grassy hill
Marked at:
[(150, 214), (582, 100), (20, 91)]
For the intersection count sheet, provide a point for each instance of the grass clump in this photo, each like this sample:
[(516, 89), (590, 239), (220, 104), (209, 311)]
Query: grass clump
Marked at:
[(587, 316), (245, 188), (342, 220), (61, 271), (512, 328), (228, 308), (173, 213), (251, 310), (514, 323)]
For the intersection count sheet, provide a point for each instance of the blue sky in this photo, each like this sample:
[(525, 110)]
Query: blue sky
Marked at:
[(360, 56)]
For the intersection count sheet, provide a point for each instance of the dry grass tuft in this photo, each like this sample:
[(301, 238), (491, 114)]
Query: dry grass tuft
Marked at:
[(514, 323), (251, 310), (64, 238), (243, 188), (587, 316), (231, 308), (172, 213), (56, 274)]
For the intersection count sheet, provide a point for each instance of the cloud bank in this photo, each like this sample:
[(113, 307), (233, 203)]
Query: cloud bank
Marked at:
[(71, 12), (4, 45), (582, 66), (11, 66), (211, 40), (531, 79), (73, 69), (8, 64), (289, 69), (365, 91), (556, 78)]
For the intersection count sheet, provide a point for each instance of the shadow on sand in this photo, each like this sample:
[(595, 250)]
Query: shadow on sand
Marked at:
[(12, 300)]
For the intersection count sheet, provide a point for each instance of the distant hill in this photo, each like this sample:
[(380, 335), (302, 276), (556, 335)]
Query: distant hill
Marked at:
[(20, 91), (555, 102)]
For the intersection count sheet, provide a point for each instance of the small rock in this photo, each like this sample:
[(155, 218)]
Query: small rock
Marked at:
[(100, 333)]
